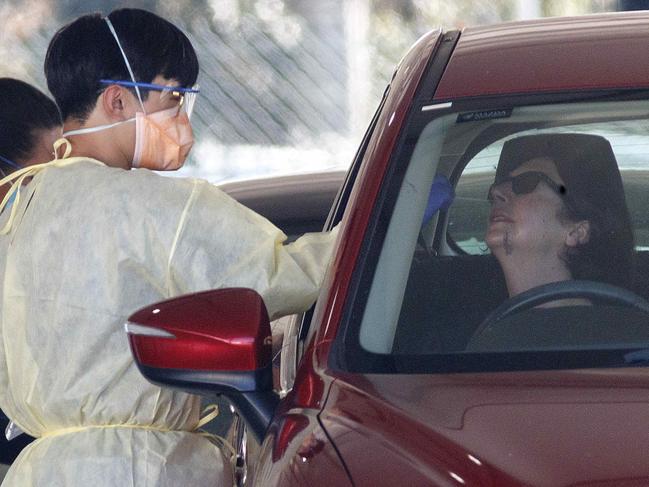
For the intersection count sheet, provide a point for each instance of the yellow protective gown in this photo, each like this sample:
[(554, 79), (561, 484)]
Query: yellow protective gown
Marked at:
[(89, 245)]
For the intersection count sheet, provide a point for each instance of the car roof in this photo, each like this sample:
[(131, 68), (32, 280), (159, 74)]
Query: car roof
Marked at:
[(296, 203), (590, 52)]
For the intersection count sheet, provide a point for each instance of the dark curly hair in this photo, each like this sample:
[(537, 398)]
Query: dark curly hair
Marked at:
[(24, 111)]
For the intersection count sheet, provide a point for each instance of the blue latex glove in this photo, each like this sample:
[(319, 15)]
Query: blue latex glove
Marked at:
[(440, 198)]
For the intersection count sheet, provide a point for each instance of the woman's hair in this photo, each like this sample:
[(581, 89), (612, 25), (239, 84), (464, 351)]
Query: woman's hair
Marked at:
[(24, 111), (594, 192)]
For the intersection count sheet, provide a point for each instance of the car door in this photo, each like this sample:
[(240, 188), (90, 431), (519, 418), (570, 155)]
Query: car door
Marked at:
[(418, 395), (297, 447)]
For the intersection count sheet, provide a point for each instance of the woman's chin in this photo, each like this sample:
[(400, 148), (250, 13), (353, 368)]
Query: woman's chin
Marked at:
[(497, 246), (493, 239)]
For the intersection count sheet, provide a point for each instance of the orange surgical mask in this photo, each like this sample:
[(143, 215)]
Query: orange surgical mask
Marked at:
[(162, 139)]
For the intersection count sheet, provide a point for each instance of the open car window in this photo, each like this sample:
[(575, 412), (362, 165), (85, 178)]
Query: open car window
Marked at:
[(442, 296)]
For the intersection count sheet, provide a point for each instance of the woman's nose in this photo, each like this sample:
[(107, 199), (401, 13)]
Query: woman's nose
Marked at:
[(499, 193)]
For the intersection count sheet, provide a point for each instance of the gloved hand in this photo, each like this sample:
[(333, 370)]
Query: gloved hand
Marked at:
[(440, 198)]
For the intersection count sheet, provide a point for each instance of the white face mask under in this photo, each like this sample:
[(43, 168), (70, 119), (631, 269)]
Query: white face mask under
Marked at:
[(97, 128)]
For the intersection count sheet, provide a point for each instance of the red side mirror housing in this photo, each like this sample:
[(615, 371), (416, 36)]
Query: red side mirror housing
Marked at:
[(209, 342)]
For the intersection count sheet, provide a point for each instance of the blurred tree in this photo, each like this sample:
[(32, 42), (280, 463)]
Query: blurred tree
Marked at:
[(290, 73), (633, 4), (397, 24), (556, 8)]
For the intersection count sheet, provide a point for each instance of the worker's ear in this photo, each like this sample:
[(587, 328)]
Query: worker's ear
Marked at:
[(579, 234), (114, 103)]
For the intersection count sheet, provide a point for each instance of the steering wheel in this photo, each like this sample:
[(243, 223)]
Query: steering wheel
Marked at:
[(596, 291)]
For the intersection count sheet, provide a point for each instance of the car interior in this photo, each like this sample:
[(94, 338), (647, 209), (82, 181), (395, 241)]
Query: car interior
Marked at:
[(443, 282)]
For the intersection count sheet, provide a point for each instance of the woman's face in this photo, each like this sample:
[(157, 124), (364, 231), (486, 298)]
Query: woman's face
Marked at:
[(528, 225)]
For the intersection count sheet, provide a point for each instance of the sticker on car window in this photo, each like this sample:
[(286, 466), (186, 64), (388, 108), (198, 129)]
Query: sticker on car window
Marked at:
[(484, 115)]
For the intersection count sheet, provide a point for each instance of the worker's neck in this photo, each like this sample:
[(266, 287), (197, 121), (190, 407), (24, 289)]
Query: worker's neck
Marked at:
[(103, 145)]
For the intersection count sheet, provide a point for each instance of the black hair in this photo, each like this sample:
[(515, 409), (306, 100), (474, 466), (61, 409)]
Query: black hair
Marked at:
[(593, 192), (24, 111), (84, 52)]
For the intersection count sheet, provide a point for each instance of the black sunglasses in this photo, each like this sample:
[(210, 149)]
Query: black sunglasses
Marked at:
[(527, 182)]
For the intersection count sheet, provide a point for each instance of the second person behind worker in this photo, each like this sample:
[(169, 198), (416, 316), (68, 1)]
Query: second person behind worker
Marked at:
[(91, 241), (29, 125)]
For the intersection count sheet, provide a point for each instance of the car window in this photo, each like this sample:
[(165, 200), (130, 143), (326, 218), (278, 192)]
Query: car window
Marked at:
[(546, 268)]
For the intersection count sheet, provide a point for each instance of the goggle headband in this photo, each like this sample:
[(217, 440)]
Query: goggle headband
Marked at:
[(150, 86)]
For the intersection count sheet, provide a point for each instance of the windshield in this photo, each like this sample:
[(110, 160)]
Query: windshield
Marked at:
[(516, 236)]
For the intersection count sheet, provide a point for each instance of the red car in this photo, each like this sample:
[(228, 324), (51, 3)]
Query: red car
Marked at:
[(422, 362)]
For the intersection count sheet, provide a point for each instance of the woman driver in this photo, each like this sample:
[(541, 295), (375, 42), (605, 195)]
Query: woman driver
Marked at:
[(558, 212)]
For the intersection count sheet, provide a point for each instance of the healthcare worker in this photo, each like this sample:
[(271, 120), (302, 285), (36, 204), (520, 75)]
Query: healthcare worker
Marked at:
[(29, 125), (89, 241)]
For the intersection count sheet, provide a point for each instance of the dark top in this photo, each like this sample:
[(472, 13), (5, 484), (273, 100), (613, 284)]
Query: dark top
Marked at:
[(566, 327)]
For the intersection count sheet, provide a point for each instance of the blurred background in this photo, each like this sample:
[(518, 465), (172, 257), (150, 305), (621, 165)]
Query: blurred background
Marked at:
[(287, 86)]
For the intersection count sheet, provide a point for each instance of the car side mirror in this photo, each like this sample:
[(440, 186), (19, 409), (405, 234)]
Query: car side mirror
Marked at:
[(212, 342)]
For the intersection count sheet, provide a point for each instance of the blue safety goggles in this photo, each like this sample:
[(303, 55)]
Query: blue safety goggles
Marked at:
[(186, 96)]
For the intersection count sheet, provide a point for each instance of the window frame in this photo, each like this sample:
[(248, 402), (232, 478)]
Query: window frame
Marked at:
[(348, 355)]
